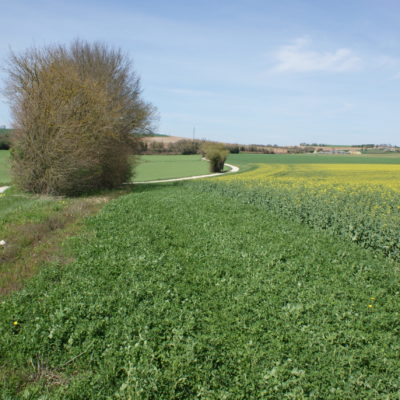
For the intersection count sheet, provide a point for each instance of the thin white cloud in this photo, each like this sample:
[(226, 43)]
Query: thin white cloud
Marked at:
[(298, 57)]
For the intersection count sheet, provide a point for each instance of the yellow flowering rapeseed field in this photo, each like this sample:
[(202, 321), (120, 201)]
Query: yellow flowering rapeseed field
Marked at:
[(359, 201), (322, 176)]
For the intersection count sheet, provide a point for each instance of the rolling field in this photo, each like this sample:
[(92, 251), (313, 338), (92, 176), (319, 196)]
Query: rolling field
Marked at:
[(221, 300), (169, 166), (5, 177), (280, 282)]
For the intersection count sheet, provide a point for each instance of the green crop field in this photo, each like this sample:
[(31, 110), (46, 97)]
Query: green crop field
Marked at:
[(176, 293), (246, 159), (5, 177), (280, 282), (156, 167)]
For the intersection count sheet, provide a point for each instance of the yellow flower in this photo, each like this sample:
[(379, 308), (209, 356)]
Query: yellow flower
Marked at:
[(15, 323), (370, 305), (373, 298)]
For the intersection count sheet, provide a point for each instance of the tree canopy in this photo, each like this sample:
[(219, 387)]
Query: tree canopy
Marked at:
[(76, 110)]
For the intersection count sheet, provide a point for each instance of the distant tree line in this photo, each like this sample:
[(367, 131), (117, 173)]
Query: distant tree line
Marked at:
[(180, 147), (313, 144), (188, 146), (362, 146)]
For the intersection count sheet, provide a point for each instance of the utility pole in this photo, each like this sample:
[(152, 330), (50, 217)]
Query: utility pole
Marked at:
[(194, 132)]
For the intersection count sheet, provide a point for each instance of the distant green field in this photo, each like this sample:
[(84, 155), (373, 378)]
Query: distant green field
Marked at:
[(379, 151), (169, 166), (246, 159), (5, 177)]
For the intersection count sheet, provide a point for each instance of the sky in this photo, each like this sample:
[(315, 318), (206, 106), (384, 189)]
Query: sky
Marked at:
[(244, 71)]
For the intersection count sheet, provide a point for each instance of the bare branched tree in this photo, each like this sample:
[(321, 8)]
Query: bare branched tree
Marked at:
[(76, 111)]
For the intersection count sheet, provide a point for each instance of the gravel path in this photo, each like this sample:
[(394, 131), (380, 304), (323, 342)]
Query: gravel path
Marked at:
[(233, 169)]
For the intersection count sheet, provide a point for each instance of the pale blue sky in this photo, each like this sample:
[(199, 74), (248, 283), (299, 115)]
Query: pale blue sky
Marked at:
[(253, 71)]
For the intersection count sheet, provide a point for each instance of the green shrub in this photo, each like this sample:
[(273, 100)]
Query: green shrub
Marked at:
[(216, 153)]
